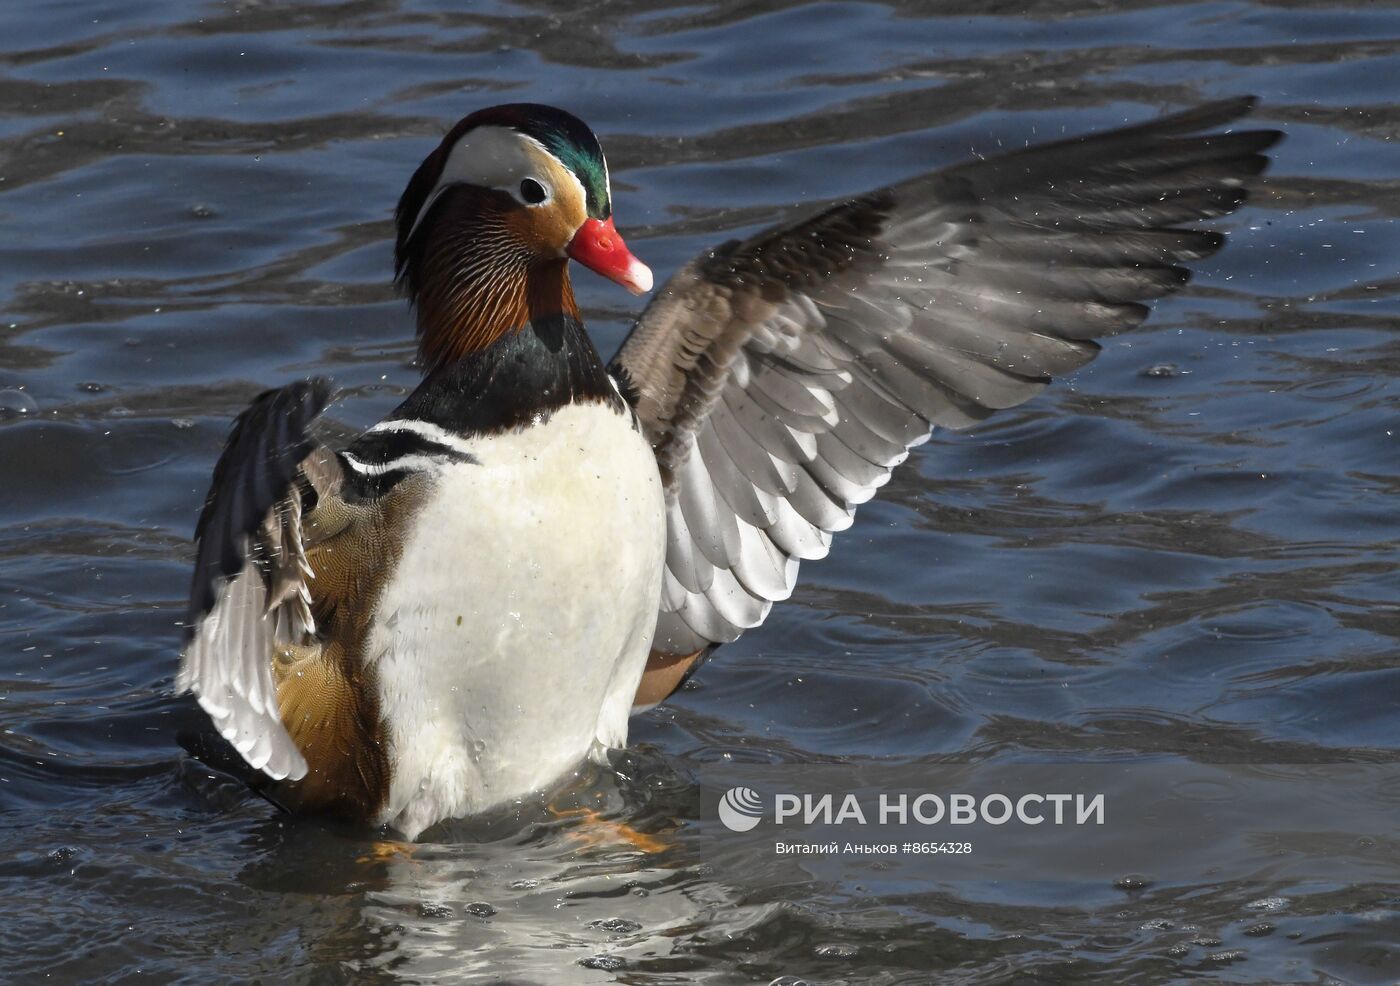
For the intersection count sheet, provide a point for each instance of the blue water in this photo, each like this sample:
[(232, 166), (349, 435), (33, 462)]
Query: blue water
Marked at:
[(1187, 551)]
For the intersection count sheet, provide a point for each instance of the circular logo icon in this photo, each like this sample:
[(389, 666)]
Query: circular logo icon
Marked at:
[(740, 809)]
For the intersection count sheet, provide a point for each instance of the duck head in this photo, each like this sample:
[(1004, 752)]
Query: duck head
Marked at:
[(490, 219)]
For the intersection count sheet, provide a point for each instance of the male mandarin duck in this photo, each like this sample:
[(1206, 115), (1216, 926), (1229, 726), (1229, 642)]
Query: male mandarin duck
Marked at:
[(472, 597)]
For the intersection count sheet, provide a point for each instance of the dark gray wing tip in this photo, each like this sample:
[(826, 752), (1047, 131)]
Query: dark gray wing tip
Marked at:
[(1206, 116), (1246, 146), (267, 443), (1216, 113)]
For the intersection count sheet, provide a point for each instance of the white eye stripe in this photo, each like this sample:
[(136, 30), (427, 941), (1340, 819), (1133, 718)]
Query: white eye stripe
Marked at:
[(500, 158)]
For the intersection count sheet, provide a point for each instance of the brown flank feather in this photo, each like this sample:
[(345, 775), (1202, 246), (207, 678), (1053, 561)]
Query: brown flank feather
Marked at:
[(663, 675), (326, 692)]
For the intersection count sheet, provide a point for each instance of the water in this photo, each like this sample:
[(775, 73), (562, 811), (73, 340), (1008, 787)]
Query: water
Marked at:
[(1185, 553)]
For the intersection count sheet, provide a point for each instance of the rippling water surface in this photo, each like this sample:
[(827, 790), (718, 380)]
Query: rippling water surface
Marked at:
[(1186, 552)]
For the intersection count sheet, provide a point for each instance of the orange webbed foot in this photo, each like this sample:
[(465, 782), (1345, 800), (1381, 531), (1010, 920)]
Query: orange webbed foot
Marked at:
[(389, 850), (591, 828)]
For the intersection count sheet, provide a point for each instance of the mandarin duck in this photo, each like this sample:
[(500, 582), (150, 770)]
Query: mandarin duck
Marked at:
[(472, 597)]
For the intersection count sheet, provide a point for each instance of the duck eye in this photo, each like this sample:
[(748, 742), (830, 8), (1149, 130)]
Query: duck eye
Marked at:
[(532, 191)]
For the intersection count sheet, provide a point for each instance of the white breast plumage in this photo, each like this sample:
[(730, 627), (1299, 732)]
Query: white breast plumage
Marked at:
[(511, 637)]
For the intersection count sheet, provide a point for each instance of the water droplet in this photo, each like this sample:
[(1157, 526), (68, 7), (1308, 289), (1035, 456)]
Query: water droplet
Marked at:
[(182, 423), (617, 926), (201, 210), (16, 404), (63, 855), (837, 951), (1162, 371), (480, 909), (430, 910)]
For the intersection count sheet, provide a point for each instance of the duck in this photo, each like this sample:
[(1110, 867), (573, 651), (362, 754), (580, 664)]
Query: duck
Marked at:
[(471, 598)]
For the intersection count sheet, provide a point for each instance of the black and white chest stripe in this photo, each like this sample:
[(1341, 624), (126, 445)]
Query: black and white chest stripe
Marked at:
[(621, 381), (393, 449)]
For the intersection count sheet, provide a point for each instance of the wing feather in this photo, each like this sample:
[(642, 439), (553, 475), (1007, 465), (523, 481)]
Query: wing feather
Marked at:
[(783, 377), (250, 590)]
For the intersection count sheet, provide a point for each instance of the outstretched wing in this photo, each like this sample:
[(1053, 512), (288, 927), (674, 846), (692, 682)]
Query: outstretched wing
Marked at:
[(250, 591), (781, 378)]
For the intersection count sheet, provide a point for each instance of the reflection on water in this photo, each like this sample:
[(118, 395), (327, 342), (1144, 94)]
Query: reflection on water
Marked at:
[(1186, 553), (587, 881)]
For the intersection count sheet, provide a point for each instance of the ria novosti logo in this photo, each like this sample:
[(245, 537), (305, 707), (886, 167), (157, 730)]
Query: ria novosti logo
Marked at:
[(740, 809)]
